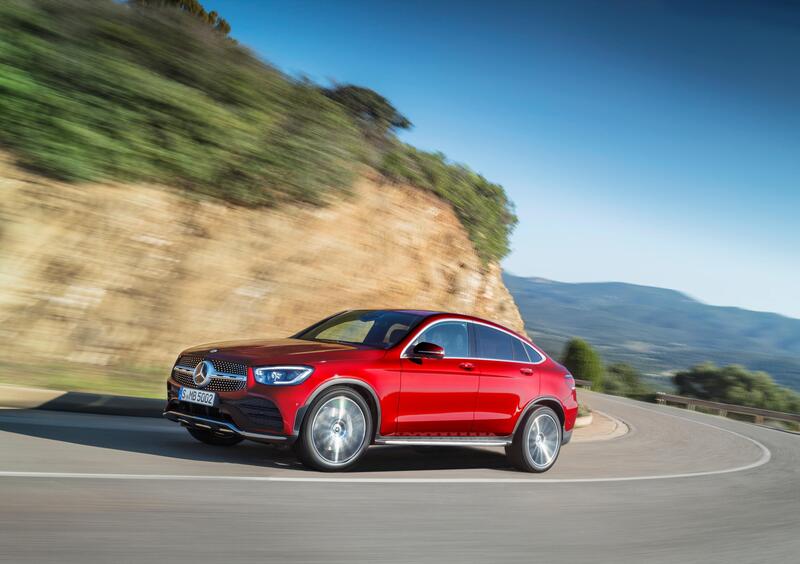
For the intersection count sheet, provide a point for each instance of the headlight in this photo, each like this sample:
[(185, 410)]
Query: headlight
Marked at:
[(282, 375)]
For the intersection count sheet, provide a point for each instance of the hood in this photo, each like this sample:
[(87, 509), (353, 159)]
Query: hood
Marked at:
[(284, 351)]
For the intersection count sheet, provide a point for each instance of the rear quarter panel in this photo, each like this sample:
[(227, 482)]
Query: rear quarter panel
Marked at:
[(553, 384)]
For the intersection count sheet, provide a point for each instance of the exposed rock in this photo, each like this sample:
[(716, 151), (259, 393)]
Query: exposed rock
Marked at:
[(114, 273)]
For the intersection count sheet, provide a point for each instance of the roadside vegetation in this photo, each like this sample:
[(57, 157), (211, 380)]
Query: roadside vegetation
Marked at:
[(584, 363), (728, 384), (736, 385), (482, 206), (134, 381), (156, 91)]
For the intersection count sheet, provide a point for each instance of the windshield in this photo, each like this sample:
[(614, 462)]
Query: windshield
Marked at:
[(378, 329)]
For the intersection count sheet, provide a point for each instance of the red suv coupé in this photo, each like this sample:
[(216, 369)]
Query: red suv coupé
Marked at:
[(364, 377)]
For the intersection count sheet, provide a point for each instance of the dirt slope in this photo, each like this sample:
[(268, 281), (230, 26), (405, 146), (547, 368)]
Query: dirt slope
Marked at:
[(109, 274)]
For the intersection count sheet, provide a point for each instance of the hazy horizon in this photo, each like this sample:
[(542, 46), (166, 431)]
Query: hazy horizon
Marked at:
[(657, 287)]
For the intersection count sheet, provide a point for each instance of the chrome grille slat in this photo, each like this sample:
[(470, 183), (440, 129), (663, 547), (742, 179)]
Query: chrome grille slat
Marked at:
[(229, 367), (232, 375), (216, 384), (226, 366), (190, 360)]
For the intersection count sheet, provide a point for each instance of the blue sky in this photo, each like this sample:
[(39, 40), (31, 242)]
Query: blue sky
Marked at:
[(648, 142)]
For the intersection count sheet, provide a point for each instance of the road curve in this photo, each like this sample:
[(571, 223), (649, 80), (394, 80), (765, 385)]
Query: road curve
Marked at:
[(679, 487)]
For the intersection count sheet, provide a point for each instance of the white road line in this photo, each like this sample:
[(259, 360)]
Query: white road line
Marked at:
[(314, 479), (766, 455)]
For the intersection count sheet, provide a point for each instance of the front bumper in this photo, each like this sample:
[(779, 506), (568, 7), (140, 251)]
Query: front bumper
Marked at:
[(248, 415), (222, 427)]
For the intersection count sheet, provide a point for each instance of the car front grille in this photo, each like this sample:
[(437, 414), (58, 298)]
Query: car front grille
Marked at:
[(261, 411), (216, 384), (192, 360), (229, 367)]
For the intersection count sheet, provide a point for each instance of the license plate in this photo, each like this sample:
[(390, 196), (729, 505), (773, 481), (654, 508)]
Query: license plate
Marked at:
[(197, 396)]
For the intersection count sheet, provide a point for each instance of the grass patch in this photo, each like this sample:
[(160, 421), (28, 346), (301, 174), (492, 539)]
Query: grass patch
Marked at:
[(145, 382)]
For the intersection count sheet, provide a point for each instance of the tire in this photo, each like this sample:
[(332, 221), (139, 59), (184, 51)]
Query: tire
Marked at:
[(211, 438), (537, 443), (336, 432)]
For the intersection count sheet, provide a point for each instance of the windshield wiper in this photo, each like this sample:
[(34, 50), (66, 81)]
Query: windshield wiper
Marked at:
[(337, 341)]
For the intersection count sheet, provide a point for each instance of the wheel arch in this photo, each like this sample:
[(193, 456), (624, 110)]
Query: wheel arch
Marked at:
[(359, 386), (548, 401)]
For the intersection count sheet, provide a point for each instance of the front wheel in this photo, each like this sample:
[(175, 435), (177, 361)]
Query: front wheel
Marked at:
[(537, 444), (336, 431)]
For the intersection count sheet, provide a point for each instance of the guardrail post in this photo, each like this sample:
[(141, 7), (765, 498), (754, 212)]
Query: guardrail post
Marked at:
[(760, 416)]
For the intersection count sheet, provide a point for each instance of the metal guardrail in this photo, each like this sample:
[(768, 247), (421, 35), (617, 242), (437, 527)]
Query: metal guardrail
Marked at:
[(759, 415), (583, 383)]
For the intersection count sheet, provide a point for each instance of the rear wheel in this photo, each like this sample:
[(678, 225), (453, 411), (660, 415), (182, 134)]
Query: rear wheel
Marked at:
[(537, 443), (211, 438), (336, 431)]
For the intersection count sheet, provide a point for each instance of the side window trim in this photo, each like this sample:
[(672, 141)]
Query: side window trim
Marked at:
[(462, 323), (473, 349), (473, 341)]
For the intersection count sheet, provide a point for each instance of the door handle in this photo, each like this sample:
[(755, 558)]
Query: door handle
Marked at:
[(526, 371), (466, 366)]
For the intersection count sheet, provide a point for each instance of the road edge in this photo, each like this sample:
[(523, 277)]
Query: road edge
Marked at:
[(18, 397)]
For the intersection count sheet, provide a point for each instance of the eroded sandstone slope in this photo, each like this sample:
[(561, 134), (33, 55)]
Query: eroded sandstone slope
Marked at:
[(109, 274)]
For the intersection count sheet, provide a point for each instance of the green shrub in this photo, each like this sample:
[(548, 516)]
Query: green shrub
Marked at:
[(193, 7), (94, 90), (624, 380), (584, 363), (736, 385), (102, 90), (483, 208)]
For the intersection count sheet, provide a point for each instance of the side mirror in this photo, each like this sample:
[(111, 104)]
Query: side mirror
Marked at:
[(428, 350)]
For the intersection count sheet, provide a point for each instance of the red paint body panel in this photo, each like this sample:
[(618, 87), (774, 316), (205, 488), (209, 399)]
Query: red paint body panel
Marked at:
[(437, 396), (414, 397), (504, 392)]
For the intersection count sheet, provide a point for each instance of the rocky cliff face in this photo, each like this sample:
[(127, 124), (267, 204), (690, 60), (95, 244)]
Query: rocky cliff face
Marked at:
[(110, 274)]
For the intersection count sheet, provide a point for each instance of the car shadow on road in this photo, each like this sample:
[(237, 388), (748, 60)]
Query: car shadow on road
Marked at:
[(154, 437)]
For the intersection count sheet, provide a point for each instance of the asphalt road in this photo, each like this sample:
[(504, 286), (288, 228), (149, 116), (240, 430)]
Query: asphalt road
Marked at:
[(680, 487)]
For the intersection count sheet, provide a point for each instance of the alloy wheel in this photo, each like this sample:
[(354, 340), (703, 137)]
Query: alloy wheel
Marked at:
[(543, 440), (338, 430)]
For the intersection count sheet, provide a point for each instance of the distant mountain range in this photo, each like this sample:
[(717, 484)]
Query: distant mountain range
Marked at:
[(655, 329)]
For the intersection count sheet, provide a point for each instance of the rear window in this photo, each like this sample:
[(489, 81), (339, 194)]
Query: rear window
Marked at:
[(519, 351), (534, 355)]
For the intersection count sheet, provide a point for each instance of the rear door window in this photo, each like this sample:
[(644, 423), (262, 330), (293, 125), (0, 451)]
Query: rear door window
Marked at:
[(494, 344)]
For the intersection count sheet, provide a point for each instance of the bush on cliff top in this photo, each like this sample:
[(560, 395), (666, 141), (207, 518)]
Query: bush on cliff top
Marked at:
[(483, 208), (98, 90)]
